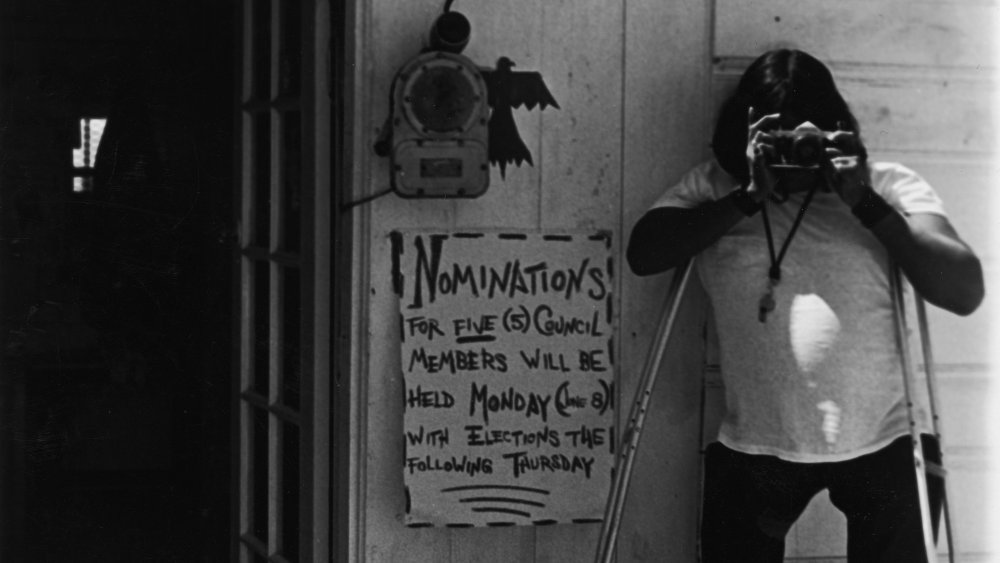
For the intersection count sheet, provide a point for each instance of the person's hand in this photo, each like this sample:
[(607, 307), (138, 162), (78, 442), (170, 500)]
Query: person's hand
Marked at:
[(846, 166), (760, 153)]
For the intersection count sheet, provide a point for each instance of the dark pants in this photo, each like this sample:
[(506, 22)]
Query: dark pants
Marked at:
[(751, 501)]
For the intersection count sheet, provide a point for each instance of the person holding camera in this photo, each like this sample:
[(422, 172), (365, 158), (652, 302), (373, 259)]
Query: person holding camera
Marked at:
[(795, 232)]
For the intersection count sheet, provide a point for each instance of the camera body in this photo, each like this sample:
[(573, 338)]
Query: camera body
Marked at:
[(800, 148)]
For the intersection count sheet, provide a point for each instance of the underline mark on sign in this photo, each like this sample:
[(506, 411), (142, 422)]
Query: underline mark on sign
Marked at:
[(475, 338), (502, 499), (504, 511), (505, 487)]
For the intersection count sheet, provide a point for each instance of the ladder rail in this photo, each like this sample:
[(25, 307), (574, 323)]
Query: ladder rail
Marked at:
[(919, 462), (630, 437), (629, 442), (936, 424)]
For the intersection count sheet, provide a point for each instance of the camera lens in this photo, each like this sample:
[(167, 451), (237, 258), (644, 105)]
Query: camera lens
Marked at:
[(807, 150)]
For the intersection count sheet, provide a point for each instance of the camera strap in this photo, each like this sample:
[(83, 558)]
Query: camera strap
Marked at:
[(767, 302)]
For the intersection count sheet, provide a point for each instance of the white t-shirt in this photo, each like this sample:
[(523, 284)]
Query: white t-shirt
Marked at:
[(820, 380)]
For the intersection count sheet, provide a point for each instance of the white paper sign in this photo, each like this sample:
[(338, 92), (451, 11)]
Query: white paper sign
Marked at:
[(508, 365)]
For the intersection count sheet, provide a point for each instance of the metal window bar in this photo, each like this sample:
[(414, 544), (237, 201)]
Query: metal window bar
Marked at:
[(91, 131), (263, 30), (86, 143), (255, 141), (284, 97)]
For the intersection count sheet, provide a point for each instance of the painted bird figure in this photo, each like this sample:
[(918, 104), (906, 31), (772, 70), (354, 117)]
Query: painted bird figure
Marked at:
[(506, 90)]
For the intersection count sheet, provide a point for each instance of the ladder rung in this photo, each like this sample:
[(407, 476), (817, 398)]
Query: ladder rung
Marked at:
[(936, 469)]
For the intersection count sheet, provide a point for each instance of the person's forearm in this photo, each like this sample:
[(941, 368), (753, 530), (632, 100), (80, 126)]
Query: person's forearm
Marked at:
[(940, 267), (666, 237)]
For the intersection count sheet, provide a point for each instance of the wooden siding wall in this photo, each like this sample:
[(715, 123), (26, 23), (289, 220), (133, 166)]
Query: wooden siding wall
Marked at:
[(638, 82)]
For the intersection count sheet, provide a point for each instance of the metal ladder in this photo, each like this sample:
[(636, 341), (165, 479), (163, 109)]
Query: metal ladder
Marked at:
[(629, 442)]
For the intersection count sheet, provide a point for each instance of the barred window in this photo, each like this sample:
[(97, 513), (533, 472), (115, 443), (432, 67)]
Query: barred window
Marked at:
[(85, 152)]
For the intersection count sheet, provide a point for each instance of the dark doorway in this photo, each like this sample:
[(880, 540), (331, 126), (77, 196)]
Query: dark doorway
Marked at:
[(116, 269)]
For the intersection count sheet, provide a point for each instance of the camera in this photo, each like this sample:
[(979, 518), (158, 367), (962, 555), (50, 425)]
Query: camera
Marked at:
[(800, 148)]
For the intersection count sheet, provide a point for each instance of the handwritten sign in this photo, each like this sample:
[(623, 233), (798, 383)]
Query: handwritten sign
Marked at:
[(508, 365)]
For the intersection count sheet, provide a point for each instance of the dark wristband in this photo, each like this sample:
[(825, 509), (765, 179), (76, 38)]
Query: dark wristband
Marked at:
[(871, 209), (744, 202)]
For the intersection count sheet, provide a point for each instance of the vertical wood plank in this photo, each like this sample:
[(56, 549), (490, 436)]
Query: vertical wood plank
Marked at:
[(581, 169), (398, 33), (510, 29), (387, 538), (666, 125), (566, 543), (581, 162), (409, 545), (316, 437), (662, 508), (494, 545), (513, 30)]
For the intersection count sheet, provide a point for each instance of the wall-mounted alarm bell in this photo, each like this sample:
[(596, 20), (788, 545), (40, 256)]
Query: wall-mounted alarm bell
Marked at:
[(439, 128), (449, 119)]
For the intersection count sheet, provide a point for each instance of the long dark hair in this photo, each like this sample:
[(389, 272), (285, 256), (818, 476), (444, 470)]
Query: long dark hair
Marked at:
[(785, 81)]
